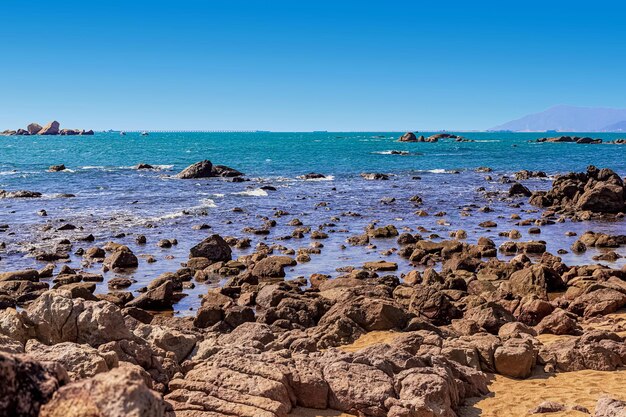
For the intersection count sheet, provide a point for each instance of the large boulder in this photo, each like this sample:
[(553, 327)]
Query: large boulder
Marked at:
[(272, 266), (34, 128), (408, 137), (80, 361), (202, 169), (602, 198), (224, 171), (121, 258), (51, 128), (515, 358), (27, 384), (159, 298), (214, 248), (537, 279), (55, 317), (120, 392)]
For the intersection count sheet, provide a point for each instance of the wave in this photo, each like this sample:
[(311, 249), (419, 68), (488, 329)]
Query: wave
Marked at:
[(392, 152), (257, 192)]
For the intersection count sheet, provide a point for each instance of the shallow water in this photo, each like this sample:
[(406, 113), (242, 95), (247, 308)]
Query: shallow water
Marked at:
[(112, 197)]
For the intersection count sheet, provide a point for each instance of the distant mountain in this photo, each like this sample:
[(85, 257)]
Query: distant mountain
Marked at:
[(570, 119)]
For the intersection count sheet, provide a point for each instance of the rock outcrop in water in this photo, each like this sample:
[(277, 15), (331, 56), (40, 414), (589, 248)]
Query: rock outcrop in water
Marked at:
[(597, 191), (408, 137), (52, 128), (205, 169), (570, 139)]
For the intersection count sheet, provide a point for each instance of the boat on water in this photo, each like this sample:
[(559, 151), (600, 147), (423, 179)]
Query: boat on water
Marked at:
[(122, 133)]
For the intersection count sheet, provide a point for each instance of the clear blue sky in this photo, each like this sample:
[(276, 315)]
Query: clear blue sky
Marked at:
[(305, 65)]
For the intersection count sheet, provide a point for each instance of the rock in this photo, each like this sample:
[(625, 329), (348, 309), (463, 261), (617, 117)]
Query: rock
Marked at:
[(27, 384), (224, 171), (488, 223), (311, 176), (408, 137), (519, 189), (559, 322), (19, 194), (121, 258), (490, 316), (80, 361), (272, 266), (375, 176), (515, 358), (34, 128), (119, 392), (159, 298), (144, 166), (170, 340), (548, 407), (51, 128), (602, 198), (213, 248), (55, 317), (600, 302), (57, 168), (380, 266), (537, 279), (383, 232), (609, 407), (23, 275), (202, 169)]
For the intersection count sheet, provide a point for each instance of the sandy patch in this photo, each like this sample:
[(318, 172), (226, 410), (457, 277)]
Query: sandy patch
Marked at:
[(369, 339), (513, 397)]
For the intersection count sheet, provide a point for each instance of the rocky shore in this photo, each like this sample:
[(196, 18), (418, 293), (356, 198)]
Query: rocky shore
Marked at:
[(438, 340)]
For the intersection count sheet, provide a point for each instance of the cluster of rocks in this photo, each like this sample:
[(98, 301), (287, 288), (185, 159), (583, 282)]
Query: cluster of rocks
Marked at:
[(584, 194), (411, 137), (52, 128), (570, 139), (205, 169), (260, 345)]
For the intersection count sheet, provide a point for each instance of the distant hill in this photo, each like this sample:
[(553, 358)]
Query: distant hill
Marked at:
[(570, 119)]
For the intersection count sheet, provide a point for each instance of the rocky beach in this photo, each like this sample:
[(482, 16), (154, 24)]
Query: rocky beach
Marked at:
[(312, 274)]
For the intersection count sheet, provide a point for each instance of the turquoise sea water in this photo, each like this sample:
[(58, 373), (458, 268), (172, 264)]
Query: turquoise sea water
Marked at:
[(111, 197)]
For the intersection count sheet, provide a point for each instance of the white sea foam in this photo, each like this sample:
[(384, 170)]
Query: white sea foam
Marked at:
[(326, 178), (257, 192), (391, 152), (207, 202), (436, 171)]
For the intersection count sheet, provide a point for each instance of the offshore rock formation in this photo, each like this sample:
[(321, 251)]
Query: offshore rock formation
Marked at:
[(52, 128), (597, 191)]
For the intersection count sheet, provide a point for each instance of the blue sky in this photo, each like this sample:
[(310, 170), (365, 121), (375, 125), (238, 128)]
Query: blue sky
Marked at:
[(305, 65)]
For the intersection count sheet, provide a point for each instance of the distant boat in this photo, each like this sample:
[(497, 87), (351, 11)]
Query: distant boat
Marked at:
[(122, 133), (551, 131), (144, 133)]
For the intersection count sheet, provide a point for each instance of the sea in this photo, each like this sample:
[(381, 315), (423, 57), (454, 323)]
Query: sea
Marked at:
[(114, 201)]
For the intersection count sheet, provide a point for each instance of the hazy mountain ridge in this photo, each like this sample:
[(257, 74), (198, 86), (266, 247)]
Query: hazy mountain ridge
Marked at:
[(570, 119)]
